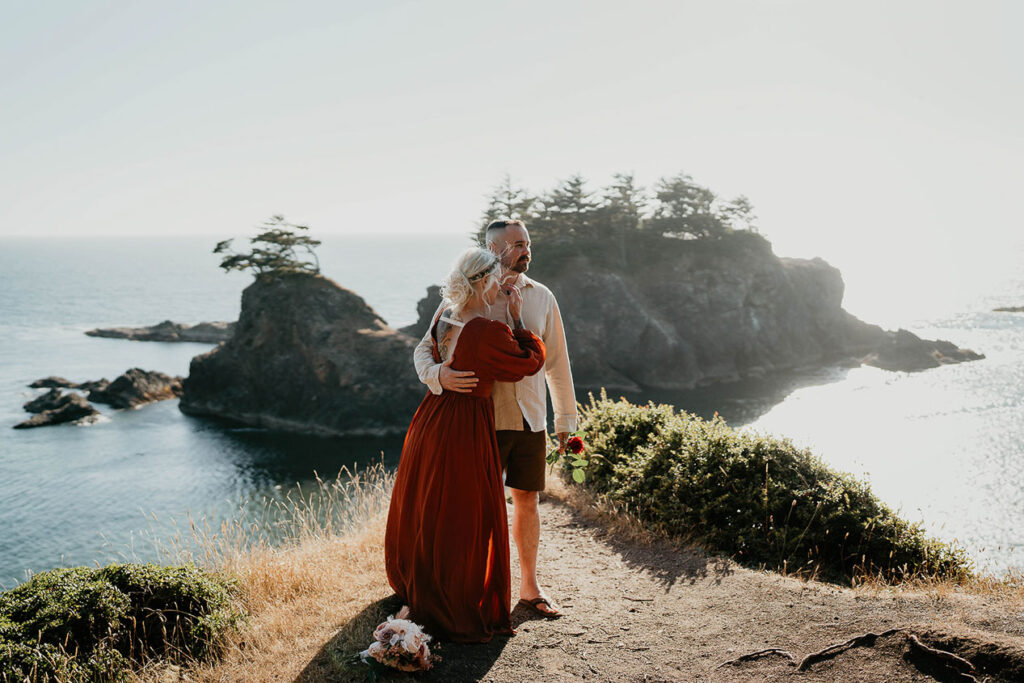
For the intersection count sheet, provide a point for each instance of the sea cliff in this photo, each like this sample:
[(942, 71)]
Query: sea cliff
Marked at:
[(307, 356), (678, 314), (310, 356)]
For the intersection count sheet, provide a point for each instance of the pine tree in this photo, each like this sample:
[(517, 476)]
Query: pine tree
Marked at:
[(570, 209), (621, 212), (738, 214), (686, 209), (273, 253)]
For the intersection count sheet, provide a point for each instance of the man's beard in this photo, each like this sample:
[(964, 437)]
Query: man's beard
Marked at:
[(520, 266)]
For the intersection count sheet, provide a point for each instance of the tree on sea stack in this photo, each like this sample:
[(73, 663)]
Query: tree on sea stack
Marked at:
[(567, 212), (274, 251), (506, 201), (691, 211)]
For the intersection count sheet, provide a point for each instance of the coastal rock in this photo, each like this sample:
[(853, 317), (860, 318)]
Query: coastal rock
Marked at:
[(51, 382), (134, 388), (1009, 309), (94, 385), (51, 400), (307, 356), (904, 350), (168, 331), (425, 309), (60, 382), (311, 357), (694, 313), (679, 314), (137, 387), (70, 408)]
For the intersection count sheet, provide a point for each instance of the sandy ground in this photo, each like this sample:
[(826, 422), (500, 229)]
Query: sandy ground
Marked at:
[(637, 609), (641, 610)]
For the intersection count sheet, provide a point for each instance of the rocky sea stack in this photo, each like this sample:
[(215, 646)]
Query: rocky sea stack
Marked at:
[(307, 356), (311, 357), (169, 331), (677, 314)]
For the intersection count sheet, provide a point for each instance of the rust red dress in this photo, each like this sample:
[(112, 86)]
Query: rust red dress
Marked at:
[(446, 546)]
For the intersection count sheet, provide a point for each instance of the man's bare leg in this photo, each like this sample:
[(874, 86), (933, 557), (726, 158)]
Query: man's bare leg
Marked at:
[(526, 532)]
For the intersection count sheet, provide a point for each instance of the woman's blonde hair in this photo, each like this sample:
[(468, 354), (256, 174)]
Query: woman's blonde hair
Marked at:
[(474, 267)]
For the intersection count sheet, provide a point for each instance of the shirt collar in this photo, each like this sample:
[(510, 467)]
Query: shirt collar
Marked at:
[(525, 281)]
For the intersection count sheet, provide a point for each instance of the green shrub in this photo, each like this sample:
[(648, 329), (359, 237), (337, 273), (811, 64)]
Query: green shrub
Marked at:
[(44, 662), (65, 605), (172, 609), (81, 623), (759, 499)]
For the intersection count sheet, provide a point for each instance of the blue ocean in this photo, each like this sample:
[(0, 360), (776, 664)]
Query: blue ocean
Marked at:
[(945, 446)]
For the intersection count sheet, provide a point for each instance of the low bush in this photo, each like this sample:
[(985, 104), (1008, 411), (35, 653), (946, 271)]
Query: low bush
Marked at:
[(81, 623), (759, 499)]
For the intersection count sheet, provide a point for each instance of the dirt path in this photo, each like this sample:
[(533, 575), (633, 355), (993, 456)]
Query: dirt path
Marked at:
[(643, 611)]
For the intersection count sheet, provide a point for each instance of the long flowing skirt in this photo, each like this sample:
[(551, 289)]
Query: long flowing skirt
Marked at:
[(446, 547)]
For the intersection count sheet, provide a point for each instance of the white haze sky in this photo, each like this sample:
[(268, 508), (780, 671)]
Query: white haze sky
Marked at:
[(856, 129)]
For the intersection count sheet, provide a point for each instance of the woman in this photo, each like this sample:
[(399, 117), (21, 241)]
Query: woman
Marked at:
[(446, 547)]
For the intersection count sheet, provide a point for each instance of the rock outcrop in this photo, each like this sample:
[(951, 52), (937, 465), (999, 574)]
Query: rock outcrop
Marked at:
[(59, 382), (51, 382), (69, 407), (904, 350), (682, 314), (137, 387), (167, 331), (307, 356), (92, 385), (134, 388), (1009, 309), (425, 308), (51, 400)]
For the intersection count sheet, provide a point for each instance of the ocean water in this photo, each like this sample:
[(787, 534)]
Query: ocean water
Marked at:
[(78, 495), (945, 446)]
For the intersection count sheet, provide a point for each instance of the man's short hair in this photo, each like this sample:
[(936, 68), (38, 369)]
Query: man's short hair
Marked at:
[(501, 224)]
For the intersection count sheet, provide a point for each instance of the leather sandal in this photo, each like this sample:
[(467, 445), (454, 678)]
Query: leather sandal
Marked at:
[(533, 606)]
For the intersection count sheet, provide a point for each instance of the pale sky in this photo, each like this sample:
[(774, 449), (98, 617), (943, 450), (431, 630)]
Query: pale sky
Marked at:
[(852, 127)]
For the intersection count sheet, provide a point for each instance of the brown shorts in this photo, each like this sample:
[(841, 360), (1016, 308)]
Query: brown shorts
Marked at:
[(523, 457)]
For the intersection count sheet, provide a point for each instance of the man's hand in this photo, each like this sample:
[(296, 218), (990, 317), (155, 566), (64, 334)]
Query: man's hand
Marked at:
[(459, 381), (563, 438)]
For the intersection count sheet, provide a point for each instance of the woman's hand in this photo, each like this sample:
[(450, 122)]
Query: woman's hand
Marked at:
[(515, 301)]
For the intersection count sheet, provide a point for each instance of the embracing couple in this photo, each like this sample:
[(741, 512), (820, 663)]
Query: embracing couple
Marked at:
[(446, 546)]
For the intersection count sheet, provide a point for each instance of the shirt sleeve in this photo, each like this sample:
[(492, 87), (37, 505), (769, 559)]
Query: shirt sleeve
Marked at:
[(428, 371), (509, 356), (558, 372)]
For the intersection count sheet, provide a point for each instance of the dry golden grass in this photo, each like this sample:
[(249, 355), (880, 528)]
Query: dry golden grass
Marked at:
[(311, 577), (1002, 593), (305, 569), (310, 565), (616, 520)]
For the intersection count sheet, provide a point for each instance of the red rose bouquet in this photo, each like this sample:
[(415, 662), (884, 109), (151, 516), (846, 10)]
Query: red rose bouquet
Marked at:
[(573, 457)]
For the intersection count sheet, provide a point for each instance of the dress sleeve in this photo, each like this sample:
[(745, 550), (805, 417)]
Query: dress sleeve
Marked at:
[(509, 356)]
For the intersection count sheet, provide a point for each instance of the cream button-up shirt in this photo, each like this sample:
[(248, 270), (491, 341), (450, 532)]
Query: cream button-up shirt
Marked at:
[(526, 398)]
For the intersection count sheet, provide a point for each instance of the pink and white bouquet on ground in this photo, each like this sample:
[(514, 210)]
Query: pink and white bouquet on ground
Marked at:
[(400, 644)]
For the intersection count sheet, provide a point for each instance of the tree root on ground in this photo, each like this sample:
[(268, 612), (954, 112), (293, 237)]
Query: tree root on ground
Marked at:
[(750, 656), (948, 659)]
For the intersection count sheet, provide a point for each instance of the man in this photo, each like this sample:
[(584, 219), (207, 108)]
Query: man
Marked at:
[(520, 409)]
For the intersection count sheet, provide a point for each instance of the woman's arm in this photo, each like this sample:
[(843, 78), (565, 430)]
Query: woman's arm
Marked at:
[(508, 356)]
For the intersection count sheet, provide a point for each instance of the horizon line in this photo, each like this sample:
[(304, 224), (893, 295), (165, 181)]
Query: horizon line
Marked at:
[(212, 236)]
